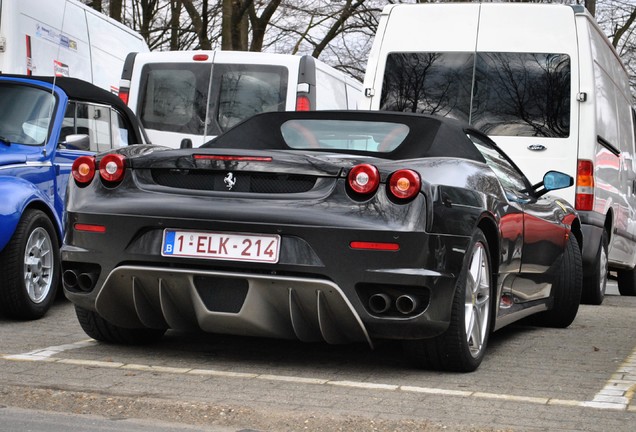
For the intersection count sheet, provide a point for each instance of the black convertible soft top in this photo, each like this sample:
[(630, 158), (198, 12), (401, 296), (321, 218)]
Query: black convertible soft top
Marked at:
[(429, 136)]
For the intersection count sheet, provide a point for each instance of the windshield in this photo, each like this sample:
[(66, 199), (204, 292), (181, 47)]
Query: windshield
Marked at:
[(373, 136), (25, 114), (508, 94)]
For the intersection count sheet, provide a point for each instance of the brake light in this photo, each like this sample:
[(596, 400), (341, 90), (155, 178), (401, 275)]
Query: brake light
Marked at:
[(200, 57), (364, 179), (303, 103), (584, 198), (83, 170), (404, 184), (233, 158), (111, 167)]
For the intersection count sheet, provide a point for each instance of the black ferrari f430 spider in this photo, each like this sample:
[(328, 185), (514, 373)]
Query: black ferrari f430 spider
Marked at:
[(322, 226)]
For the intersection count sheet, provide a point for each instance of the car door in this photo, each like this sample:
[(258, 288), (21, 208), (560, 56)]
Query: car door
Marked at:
[(543, 235)]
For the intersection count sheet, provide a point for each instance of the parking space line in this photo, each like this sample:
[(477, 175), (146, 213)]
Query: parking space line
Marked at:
[(616, 395), (619, 389)]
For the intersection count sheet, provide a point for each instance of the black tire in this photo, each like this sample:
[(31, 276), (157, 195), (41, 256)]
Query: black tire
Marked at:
[(456, 349), (98, 328), (566, 292), (30, 268), (595, 284), (627, 282)]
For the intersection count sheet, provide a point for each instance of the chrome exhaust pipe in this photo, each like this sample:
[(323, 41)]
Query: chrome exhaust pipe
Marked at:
[(69, 279), (406, 304), (86, 281), (379, 303)]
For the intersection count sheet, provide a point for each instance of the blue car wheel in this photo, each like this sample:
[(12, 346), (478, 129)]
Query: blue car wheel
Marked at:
[(30, 265)]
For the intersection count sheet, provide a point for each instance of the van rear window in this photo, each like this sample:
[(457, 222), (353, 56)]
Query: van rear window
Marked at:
[(508, 94), (206, 99)]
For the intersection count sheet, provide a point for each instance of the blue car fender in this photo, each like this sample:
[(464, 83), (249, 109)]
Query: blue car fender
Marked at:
[(17, 194)]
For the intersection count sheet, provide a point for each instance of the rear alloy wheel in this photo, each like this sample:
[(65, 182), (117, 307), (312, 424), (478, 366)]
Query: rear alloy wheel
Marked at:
[(98, 328), (594, 285), (566, 291), (30, 268), (462, 346)]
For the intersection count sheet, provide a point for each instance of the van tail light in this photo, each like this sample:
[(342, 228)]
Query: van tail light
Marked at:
[(364, 179), (584, 198), (83, 170), (123, 94), (112, 168), (303, 103), (404, 184)]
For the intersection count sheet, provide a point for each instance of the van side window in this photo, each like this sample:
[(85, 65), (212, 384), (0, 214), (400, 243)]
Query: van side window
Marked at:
[(509, 94)]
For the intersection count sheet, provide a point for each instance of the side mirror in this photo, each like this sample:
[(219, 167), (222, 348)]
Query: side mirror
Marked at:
[(553, 180), (77, 142)]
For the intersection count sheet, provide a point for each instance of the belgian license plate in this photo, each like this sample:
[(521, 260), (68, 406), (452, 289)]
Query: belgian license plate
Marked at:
[(221, 245)]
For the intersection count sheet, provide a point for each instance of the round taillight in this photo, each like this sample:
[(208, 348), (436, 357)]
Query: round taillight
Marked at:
[(404, 184), (364, 179), (83, 169), (111, 167)]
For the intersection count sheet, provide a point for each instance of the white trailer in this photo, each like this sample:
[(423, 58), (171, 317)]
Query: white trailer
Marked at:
[(64, 38)]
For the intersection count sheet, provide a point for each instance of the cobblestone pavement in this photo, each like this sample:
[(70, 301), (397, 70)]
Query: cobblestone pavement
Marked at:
[(533, 379)]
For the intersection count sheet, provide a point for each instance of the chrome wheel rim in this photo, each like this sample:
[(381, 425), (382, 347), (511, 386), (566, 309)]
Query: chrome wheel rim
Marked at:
[(38, 265), (603, 271), (477, 305)]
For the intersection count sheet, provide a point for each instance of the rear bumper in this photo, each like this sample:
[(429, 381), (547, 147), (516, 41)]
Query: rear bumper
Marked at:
[(319, 290)]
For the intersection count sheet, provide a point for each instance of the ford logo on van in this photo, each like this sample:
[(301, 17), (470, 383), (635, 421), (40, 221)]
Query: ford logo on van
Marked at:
[(537, 147)]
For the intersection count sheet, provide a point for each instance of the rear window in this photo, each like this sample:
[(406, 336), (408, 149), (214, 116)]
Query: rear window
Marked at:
[(206, 99), (509, 94), (369, 136)]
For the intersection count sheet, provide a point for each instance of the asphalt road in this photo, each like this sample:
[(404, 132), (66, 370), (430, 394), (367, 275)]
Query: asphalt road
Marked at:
[(533, 379)]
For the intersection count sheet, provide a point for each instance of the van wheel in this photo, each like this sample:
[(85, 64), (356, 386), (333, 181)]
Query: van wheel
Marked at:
[(30, 268), (566, 292), (594, 285), (98, 328), (462, 346), (627, 282)]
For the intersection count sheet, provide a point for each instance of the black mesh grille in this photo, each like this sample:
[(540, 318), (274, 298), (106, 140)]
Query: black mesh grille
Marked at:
[(254, 182)]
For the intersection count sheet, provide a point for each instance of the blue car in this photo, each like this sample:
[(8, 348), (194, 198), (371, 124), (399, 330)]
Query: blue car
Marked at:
[(45, 124)]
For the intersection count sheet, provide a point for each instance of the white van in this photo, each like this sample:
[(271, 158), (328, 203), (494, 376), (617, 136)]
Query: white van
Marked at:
[(196, 95), (546, 84), (64, 38)]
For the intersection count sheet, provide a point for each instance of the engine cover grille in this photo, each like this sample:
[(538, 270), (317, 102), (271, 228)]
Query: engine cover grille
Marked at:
[(254, 182)]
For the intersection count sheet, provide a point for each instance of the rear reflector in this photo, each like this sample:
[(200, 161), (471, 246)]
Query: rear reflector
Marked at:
[(374, 246), (584, 198), (90, 228), (233, 158)]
